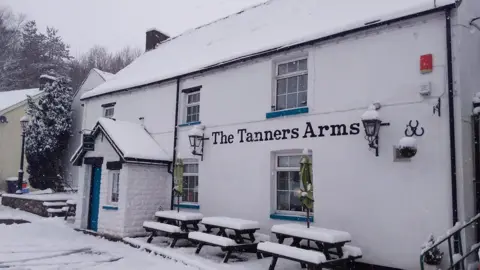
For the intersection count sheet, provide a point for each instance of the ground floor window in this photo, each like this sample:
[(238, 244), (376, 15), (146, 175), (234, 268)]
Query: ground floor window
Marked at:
[(287, 181), (114, 187), (190, 181)]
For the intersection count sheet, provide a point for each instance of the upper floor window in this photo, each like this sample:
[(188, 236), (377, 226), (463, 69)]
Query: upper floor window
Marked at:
[(291, 84), (192, 104), (108, 110)]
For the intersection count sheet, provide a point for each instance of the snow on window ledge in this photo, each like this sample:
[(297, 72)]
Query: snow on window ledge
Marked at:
[(288, 112), (290, 217), (110, 207), (190, 124), (187, 205)]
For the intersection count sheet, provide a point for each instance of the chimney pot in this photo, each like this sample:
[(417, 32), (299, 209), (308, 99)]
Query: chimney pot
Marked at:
[(154, 37)]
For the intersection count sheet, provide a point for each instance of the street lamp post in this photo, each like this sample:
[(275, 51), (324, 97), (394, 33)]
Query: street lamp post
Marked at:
[(23, 123)]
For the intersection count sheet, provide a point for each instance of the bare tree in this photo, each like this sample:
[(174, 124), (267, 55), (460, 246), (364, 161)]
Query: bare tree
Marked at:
[(99, 57), (10, 45)]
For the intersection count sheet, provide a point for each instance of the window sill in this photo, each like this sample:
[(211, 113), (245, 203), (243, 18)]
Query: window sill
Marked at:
[(110, 207), (190, 124), (187, 205), (288, 112), (290, 217)]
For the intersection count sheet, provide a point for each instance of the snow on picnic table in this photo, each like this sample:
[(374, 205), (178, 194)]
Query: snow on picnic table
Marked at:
[(49, 243)]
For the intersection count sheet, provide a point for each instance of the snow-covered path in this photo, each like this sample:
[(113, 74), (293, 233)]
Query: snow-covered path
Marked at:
[(49, 243)]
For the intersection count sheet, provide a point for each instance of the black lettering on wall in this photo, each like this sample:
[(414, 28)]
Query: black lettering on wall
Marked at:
[(309, 130), (214, 134), (338, 130), (323, 128), (249, 137), (285, 132), (268, 135), (354, 128), (277, 134), (241, 132), (258, 136), (230, 138), (295, 134)]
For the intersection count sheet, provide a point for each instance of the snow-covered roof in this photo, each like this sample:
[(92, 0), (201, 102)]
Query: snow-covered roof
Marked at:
[(9, 99), (130, 140), (105, 75), (264, 27)]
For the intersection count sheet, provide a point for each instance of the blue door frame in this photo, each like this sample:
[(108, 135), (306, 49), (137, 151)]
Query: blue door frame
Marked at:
[(94, 198)]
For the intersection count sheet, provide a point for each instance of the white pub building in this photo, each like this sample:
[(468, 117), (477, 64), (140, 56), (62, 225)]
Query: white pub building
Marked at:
[(261, 85)]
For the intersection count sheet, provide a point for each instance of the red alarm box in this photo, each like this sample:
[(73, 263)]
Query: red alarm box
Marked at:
[(426, 63)]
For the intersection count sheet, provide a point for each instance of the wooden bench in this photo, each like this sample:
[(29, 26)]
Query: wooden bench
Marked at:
[(70, 208), (314, 260), (157, 228), (226, 244)]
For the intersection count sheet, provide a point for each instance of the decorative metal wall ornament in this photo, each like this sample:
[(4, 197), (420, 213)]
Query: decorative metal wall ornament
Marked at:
[(436, 107), (411, 130), (408, 145)]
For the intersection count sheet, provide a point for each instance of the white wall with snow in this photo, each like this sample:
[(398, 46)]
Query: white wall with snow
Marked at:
[(388, 207), (148, 189), (93, 79)]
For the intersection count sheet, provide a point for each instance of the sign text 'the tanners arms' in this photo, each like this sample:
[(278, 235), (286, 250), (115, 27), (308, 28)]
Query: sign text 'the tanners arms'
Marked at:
[(243, 135)]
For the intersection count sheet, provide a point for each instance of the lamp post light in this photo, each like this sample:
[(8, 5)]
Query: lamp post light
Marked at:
[(372, 123), (23, 123), (197, 138)]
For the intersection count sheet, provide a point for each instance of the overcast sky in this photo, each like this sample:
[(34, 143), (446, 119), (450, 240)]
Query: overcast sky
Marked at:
[(117, 23)]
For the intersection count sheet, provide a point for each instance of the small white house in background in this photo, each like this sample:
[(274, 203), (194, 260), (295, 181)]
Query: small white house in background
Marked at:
[(265, 83), (94, 78), (125, 166)]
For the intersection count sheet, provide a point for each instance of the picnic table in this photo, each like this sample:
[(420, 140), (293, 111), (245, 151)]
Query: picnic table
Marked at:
[(242, 240), (329, 242), (172, 224), (180, 219), (243, 229)]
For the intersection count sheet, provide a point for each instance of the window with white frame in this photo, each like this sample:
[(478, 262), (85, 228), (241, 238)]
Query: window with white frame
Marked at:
[(291, 84), (114, 187), (108, 111), (190, 181), (192, 107), (287, 181)]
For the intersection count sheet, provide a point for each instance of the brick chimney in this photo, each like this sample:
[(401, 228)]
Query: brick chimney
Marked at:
[(154, 37)]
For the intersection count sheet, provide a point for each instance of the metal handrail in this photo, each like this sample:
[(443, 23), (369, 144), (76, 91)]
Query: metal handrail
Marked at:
[(448, 239)]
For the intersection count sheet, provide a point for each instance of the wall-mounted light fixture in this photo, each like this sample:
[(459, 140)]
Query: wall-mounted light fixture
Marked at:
[(372, 123), (197, 139)]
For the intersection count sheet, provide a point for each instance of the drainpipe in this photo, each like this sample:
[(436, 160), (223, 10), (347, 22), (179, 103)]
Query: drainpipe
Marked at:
[(476, 144), (453, 158), (175, 132)]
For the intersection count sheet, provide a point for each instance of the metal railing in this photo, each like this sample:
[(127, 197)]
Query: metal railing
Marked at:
[(455, 262)]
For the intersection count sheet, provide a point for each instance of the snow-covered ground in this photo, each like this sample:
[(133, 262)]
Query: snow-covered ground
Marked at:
[(51, 243)]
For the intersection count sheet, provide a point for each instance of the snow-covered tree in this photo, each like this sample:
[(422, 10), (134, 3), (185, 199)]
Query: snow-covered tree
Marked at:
[(47, 135)]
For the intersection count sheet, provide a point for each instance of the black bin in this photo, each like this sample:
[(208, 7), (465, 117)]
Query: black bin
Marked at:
[(12, 184)]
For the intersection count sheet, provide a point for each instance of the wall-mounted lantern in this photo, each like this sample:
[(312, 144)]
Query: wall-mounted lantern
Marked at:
[(372, 123), (197, 139)]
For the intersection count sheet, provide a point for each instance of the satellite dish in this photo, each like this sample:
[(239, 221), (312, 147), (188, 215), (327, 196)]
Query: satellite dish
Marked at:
[(3, 119)]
